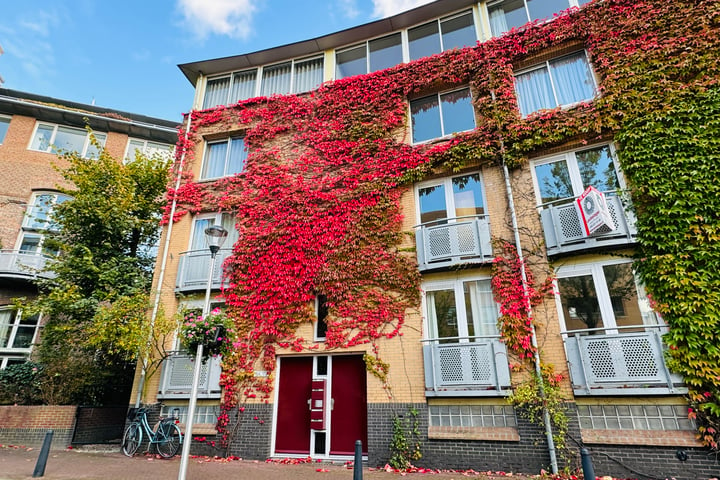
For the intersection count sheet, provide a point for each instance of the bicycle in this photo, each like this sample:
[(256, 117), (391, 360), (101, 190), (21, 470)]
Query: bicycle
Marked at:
[(166, 436)]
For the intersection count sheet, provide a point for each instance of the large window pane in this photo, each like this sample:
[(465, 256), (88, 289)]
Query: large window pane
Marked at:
[(69, 139), (542, 9), (579, 300), (4, 124), (467, 195), (432, 203), (597, 169), (553, 181), (236, 157), (385, 52), (506, 16), (457, 112), (442, 313), (276, 80), (481, 307), (573, 79), (7, 317), (623, 292), (308, 75), (534, 91), (458, 32), (351, 62), (243, 86), (93, 151), (424, 41), (425, 117), (215, 160), (216, 92)]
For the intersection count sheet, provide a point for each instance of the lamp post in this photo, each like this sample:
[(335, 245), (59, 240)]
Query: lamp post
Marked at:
[(215, 237)]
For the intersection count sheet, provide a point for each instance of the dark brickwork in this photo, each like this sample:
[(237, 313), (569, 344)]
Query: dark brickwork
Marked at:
[(251, 438), (99, 425)]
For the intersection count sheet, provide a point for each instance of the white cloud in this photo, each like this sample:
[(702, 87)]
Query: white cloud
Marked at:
[(386, 8), (349, 8), (232, 18)]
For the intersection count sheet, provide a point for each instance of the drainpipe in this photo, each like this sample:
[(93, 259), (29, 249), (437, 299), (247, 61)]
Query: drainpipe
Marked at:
[(536, 358), (163, 264)]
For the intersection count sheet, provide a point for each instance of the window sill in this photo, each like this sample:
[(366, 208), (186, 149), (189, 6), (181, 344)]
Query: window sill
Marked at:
[(502, 434), (658, 438)]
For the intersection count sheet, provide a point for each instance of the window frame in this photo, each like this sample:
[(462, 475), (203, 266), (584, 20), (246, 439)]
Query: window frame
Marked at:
[(13, 326), (228, 141), (147, 149), (438, 96), (215, 219), (321, 315), (447, 183), (101, 138), (570, 158), (547, 66), (4, 120), (489, 5)]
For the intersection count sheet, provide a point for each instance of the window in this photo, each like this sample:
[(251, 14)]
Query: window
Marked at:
[(441, 114), (17, 331), (58, 139), (508, 14), (560, 82), (39, 213), (374, 55), (224, 158), (4, 125), (459, 311), (443, 34), (450, 198), (602, 296), (321, 313), (148, 148), (562, 178), (198, 241), (296, 76)]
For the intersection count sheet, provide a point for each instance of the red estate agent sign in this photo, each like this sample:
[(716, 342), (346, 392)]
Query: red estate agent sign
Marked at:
[(594, 211)]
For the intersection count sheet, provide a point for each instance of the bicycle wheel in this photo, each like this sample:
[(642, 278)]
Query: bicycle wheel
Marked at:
[(132, 439), (168, 439)]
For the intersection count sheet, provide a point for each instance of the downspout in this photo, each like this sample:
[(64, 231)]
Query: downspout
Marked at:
[(536, 357), (163, 263)]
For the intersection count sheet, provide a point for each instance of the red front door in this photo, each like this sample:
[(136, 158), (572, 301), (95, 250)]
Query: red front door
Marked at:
[(346, 420), (293, 415)]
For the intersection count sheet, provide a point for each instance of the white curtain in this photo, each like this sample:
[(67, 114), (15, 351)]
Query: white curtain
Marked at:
[(236, 157), (498, 25), (308, 75), (483, 307), (243, 86), (573, 79), (216, 92), (214, 166), (6, 316), (276, 79), (534, 91)]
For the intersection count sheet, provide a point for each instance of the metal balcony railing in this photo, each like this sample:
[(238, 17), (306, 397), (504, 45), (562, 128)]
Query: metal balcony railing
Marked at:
[(620, 361), (453, 241), (471, 366), (25, 265), (177, 376), (193, 270), (564, 232)]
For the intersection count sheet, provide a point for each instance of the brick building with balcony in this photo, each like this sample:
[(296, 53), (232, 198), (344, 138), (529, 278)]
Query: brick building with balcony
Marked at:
[(504, 124), (33, 128)]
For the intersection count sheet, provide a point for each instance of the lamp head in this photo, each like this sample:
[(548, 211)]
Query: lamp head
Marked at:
[(215, 237)]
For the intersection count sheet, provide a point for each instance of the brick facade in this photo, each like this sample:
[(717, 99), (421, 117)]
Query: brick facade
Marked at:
[(28, 425)]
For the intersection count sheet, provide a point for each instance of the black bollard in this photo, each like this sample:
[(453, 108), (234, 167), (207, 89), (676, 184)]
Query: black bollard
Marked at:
[(42, 459), (587, 466), (357, 467)]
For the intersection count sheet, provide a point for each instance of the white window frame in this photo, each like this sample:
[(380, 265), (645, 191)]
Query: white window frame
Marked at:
[(607, 313), (570, 159), (215, 219), (4, 119), (491, 4), (443, 133), (149, 148), (456, 285), (226, 165), (439, 21), (449, 194), (101, 138), (316, 328), (546, 65), (16, 316)]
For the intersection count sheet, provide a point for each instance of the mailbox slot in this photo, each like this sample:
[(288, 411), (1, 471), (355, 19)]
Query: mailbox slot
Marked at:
[(317, 405)]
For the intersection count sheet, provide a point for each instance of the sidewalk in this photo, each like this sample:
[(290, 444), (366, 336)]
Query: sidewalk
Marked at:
[(18, 463)]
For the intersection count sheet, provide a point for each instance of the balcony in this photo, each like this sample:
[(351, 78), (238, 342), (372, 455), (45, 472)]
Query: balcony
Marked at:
[(193, 270), (620, 361), (23, 265), (564, 232), (177, 376), (468, 367), (449, 242)]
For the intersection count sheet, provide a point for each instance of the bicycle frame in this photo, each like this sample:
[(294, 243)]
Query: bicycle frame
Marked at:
[(152, 435)]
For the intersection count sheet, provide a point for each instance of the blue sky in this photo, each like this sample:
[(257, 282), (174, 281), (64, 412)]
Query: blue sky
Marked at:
[(124, 55)]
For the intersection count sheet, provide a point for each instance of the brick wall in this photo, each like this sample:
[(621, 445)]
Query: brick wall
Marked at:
[(27, 425)]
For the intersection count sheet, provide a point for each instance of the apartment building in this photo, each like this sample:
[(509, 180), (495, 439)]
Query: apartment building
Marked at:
[(399, 156), (32, 130)]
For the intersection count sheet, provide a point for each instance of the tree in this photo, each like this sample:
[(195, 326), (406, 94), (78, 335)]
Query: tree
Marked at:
[(95, 305)]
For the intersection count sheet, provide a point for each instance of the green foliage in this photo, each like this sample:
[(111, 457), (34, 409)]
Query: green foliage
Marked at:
[(405, 446), (215, 332), (96, 302), (20, 384)]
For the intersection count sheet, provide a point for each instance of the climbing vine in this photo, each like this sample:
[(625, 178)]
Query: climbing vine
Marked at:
[(318, 206)]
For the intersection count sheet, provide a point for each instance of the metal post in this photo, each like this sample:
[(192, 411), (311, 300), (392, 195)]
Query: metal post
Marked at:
[(587, 466), (357, 467), (42, 458), (196, 378)]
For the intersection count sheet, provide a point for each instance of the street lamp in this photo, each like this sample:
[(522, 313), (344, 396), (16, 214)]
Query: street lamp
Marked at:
[(215, 237)]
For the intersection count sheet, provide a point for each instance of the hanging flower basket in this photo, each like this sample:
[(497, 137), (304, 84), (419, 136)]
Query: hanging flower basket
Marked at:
[(214, 332)]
